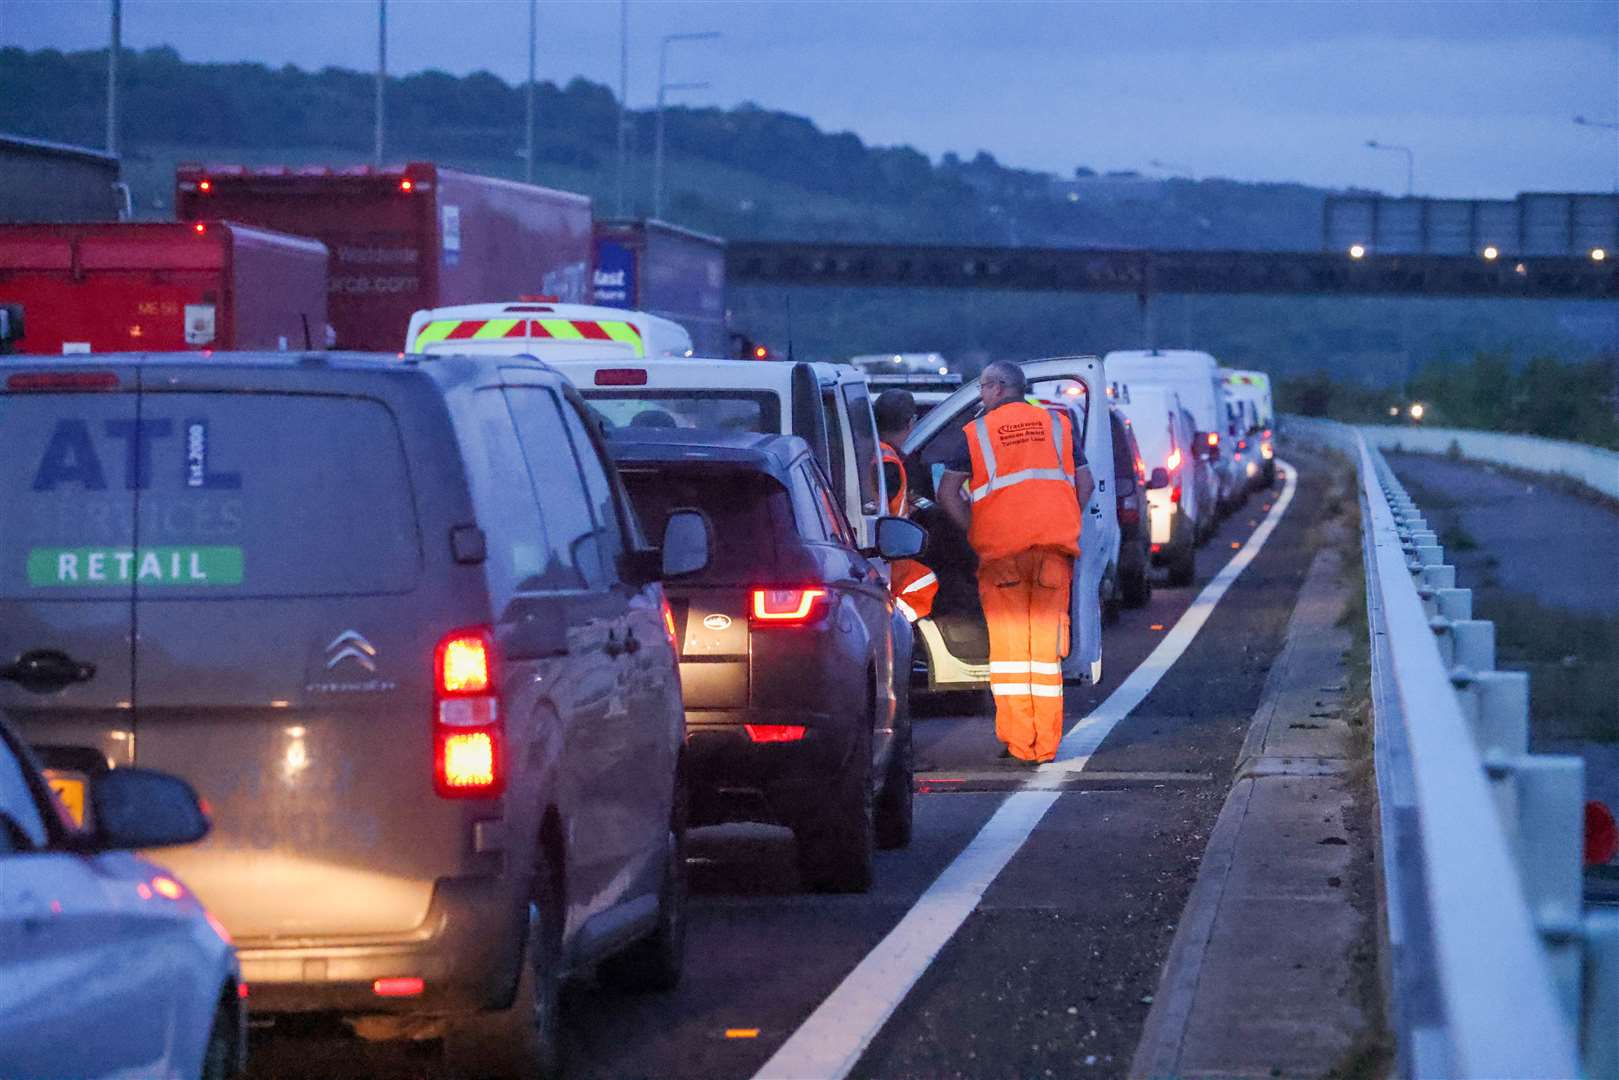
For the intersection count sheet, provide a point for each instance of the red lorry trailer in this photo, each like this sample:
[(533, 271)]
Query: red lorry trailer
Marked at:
[(407, 237), (162, 286)]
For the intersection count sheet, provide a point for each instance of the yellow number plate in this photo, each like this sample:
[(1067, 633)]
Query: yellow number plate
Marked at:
[(69, 789)]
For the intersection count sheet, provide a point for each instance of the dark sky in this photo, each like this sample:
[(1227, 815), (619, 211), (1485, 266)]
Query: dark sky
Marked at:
[(1483, 92)]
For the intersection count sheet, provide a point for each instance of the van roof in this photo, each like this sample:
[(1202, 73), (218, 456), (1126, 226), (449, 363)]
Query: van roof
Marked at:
[(703, 372), (448, 368), (1165, 357), (771, 453)]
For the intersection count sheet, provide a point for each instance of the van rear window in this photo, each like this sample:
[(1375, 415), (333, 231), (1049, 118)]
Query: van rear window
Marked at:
[(712, 410), (202, 495)]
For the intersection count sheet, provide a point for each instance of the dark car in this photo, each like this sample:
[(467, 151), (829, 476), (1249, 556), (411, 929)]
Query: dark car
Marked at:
[(397, 623), (1131, 485), (795, 699)]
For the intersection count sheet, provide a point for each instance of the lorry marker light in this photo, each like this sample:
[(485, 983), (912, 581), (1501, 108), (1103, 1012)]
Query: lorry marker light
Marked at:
[(621, 377), (31, 381), (205, 186), (199, 228), (407, 185)]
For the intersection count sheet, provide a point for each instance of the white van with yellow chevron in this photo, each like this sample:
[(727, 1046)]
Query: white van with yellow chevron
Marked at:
[(545, 330)]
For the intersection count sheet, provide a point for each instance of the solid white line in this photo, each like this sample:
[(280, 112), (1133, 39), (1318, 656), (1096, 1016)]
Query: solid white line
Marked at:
[(829, 1043)]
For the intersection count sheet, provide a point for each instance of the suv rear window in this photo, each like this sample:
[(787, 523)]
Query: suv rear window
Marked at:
[(712, 410), (211, 494), (745, 508)]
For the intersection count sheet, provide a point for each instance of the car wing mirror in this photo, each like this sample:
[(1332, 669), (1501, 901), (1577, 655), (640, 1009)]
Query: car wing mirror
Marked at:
[(136, 808), (898, 538), (687, 543), (1158, 479)]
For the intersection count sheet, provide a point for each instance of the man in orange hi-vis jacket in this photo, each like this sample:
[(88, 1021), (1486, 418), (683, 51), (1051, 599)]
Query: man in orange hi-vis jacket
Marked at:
[(913, 584), (1021, 510)]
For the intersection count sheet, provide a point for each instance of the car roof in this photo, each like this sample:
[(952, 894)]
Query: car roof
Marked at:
[(769, 453)]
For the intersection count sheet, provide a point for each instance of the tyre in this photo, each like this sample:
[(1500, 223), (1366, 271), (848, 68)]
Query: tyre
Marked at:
[(836, 847), (894, 804), (221, 1059), (1137, 586), (1183, 566), (654, 963), (524, 1039)]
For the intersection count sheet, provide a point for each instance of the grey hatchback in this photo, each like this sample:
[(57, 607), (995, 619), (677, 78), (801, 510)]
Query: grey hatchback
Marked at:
[(396, 622)]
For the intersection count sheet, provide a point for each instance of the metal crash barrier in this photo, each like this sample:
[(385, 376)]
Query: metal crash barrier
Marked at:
[(1494, 968)]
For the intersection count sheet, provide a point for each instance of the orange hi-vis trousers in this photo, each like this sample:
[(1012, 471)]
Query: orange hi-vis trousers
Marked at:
[(1025, 598)]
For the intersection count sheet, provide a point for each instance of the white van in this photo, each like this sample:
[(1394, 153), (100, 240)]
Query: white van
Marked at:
[(1195, 376), (1175, 512), (828, 405), (955, 638), (544, 330)]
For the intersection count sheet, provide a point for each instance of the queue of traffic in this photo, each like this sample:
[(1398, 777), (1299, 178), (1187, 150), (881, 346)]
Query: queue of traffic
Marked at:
[(430, 659)]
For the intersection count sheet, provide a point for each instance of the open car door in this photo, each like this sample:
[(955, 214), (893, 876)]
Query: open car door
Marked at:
[(955, 638)]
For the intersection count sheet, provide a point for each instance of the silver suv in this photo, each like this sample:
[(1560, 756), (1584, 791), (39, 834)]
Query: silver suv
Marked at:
[(397, 624)]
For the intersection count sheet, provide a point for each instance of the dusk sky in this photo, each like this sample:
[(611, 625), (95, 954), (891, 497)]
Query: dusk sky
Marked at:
[(1484, 93)]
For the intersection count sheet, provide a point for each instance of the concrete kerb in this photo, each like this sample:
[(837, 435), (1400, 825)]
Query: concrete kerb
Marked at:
[(1240, 999)]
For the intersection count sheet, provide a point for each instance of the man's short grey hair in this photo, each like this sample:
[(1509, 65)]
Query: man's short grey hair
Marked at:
[(1008, 373)]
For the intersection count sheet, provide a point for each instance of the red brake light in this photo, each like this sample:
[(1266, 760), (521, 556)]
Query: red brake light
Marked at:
[(199, 228), (407, 185), (1214, 438), (785, 606), (669, 623), (621, 377), (774, 732), (27, 381), (467, 728), (205, 186), (1601, 834), (398, 987), (1242, 444)]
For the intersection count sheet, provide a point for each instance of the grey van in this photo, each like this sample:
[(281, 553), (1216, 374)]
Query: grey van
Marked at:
[(396, 623)]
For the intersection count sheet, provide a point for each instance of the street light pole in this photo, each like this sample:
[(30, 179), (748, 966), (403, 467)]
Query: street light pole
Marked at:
[(528, 128), (663, 67), (382, 71), (1410, 162), (623, 96), (115, 46)]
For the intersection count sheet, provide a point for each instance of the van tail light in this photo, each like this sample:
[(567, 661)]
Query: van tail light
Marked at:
[(621, 377), (468, 742), (1214, 438), (669, 623), (1174, 461), (762, 733), (787, 607), (1242, 444)]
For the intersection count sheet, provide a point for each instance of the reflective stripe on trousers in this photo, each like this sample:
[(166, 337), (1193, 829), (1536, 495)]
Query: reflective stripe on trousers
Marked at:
[(1025, 599)]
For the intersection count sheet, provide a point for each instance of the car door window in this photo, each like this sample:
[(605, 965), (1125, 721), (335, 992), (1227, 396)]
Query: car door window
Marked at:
[(598, 485), (570, 559), (833, 522), (18, 803), (863, 427), (835, 465), (807, 506)]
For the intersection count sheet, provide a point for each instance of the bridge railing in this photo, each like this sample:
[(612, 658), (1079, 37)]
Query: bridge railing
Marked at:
[(1596, 468), (1494, 969)]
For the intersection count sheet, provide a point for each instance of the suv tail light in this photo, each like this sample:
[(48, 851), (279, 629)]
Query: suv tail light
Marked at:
[(468, 747), (787, 607)]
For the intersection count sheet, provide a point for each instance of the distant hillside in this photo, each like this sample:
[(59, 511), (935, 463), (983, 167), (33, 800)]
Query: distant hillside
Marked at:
[(755, 173)]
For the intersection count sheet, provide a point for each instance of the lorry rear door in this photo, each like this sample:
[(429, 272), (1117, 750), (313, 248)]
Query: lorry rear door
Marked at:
[(74, 459)]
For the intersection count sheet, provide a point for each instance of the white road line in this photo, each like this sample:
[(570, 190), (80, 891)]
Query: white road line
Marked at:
[(828, 1044)]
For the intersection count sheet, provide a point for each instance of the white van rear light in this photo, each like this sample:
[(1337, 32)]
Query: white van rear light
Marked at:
[(621, 377)]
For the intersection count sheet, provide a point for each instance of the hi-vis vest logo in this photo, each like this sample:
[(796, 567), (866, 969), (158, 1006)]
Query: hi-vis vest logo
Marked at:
[(624, 333), (350, 645)]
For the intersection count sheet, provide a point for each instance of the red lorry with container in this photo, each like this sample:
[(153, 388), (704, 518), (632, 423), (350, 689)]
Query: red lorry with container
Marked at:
[(408, 237), (159, 287)]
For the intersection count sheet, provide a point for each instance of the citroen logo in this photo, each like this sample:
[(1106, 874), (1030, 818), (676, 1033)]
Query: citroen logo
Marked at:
[(351, 645)]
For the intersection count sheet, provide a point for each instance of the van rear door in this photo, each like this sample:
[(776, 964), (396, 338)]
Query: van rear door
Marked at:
[(279, 668), (68, 477)]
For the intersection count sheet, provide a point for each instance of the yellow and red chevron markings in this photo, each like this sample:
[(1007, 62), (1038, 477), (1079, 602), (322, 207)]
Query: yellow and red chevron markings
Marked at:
[(438, 330)]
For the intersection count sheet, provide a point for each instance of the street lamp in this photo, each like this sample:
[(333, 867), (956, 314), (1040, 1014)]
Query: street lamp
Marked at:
[(1410, 162), (663, 66)]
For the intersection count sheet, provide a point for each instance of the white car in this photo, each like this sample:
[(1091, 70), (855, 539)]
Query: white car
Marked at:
[(109, 966), (955, 638)]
